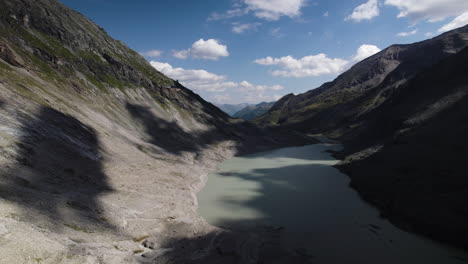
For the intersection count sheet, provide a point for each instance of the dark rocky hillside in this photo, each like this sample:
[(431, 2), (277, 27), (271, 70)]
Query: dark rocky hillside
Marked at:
[(411, 158), (253, 111), (401, 116)]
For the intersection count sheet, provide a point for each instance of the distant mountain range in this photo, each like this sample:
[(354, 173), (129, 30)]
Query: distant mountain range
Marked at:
[(231, 109), (403, 118), (253, 111)]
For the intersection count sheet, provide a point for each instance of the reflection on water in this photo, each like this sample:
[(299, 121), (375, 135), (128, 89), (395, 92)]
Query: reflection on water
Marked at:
[(298, 189)]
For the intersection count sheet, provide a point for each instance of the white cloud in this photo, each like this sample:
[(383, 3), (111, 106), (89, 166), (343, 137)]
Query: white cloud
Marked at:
[(315, 65), (253, 98), (366, 11), (209, 49), (236, 12), (151, 53), (430, 10), (264, 9), (245, 86), (276, 32), (194, 79), (457, 22), (240, 28), (429, 34), (274, 9), (365, 51), (221, 98), (181, 54), (326, 14), (201, 80), (407, 34)]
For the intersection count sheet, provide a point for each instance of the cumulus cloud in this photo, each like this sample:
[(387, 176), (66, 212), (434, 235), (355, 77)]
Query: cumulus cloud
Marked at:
[(151, 53), (432, 11), (459, 21), (201, 80), (209, 49), (240, 28), (245, 86), (315, 65), (181, 54), (407, 34), (195, 79), (366, 11), (365, 51), (274, 9), (264, 9)]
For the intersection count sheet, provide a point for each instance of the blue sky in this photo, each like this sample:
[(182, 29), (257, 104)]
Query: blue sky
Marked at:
[(233, 51)]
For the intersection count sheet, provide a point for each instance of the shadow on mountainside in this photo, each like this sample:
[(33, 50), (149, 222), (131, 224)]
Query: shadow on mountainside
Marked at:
[(171, 136), (57, 172)]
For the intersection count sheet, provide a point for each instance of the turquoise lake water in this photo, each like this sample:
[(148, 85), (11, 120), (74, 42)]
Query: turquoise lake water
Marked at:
[(298, 190)]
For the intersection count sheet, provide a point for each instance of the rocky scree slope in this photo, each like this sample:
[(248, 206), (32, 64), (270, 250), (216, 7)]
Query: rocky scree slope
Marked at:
[(401, 118), (100, 154)]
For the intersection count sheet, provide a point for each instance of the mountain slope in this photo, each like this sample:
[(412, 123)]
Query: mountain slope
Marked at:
[(252, 111), (401, 117), (231, 109), (332, 107), (100, 154), (416, 144)]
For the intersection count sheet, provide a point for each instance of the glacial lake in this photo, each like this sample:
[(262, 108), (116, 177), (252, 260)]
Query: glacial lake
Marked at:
[(298, 191)]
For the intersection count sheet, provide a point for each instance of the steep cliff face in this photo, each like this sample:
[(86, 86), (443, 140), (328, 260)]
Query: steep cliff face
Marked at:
[(100, 154)]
